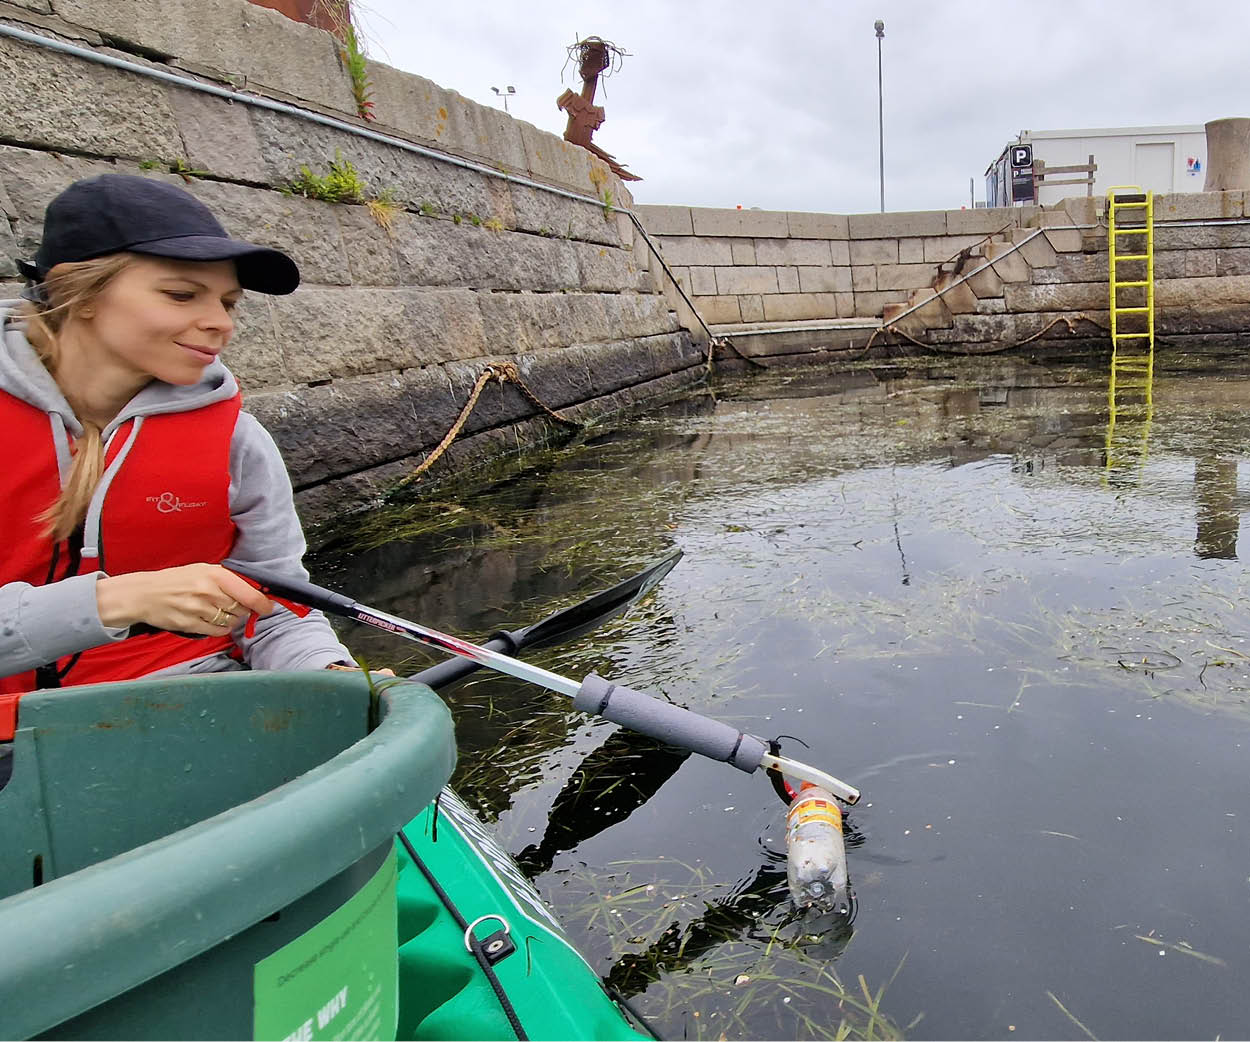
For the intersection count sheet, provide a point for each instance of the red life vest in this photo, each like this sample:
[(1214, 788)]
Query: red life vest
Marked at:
[(167, 505)]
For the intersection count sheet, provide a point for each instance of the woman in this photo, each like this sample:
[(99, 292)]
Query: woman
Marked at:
[(133, 482)]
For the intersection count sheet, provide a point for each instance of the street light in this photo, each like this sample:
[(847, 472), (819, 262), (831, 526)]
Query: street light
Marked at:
[(504, 94), (880, 27)]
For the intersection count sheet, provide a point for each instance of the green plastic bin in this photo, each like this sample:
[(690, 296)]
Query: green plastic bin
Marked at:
[(210, 857)]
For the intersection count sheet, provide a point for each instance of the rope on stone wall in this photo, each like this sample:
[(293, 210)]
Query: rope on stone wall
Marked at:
[(727, 342), (509, 372), (892, 328), (501, 373), (1069, 320)]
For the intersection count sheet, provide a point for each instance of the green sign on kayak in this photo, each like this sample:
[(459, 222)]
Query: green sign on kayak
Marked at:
[(338, 980)]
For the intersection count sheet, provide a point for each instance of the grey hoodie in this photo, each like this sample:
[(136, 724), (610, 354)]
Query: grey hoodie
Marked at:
[(39, 624)]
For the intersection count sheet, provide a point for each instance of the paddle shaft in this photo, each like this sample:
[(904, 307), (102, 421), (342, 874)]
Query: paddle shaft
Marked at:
[(445, 673), (634, 709), (327, 600)]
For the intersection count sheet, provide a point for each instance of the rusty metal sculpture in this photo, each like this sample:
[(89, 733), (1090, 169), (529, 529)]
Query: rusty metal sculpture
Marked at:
[(594, 57), (310, 12)]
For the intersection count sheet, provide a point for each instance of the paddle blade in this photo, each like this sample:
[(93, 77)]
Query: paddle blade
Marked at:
[(581, 618), (565, 624)]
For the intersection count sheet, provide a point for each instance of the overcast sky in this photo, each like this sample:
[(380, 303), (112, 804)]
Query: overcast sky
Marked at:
[(773, 103)]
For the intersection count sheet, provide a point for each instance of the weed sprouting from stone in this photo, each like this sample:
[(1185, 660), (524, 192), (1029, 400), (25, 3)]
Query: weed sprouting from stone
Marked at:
[(177, 165), (352, 53), (340, 184), (384, 209)]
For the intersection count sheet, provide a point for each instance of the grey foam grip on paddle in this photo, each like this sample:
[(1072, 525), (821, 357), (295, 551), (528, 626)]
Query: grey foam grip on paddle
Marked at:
[(669, 723)]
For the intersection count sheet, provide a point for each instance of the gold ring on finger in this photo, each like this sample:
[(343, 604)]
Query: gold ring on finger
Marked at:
[(220, 618)]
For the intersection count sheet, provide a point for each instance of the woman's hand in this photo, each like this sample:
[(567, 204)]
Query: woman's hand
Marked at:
[(355, 668), (195, 598)]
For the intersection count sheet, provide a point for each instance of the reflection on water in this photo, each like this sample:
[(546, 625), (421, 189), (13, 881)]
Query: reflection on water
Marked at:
[(1130, 408), (1219, 517), (995, 595)]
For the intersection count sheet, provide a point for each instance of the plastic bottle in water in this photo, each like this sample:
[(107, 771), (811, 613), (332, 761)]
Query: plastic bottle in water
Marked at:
[(815, 851)]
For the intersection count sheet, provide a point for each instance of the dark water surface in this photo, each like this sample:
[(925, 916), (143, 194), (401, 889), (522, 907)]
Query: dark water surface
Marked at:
[(1023, 631)]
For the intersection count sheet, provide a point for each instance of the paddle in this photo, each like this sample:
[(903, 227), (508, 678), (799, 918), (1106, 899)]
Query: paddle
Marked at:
[(566, 624), (635, 710)]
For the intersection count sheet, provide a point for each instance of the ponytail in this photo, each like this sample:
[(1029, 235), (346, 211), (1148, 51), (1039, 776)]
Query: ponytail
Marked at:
[(67, 289)]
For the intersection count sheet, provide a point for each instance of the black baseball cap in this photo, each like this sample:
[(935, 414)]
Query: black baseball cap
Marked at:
[(112, 213)]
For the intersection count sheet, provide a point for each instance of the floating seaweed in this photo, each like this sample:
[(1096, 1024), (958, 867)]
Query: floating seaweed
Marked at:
[(903, 564)]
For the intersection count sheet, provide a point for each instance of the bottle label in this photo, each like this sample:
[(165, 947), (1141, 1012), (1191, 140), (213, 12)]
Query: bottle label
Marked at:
[(814, 811)]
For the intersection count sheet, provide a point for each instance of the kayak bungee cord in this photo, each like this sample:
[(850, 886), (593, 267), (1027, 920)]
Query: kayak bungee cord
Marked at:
[(635, 710), (471, 942)]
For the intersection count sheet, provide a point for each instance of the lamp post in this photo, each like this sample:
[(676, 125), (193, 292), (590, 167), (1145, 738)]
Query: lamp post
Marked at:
[(880, 27), (505, 93)]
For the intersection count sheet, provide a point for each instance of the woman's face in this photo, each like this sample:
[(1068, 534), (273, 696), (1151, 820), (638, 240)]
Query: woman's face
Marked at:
[(162, 318)]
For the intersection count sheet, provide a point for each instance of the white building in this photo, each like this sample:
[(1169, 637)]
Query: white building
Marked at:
[(1163, 159)]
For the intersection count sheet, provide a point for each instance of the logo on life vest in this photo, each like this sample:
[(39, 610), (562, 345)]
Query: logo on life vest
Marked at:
[(168, 503)]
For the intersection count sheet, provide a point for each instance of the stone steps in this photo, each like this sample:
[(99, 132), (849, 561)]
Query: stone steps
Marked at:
[(974, 284)]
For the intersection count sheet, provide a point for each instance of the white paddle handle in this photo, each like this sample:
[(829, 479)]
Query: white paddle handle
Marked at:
[(804, 772)]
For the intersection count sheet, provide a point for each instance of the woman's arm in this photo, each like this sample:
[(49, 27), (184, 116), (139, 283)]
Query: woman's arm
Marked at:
[(270, 537), (40, 624)]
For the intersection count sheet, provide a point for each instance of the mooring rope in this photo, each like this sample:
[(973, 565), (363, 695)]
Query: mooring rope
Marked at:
[(892, 328), (1069, 320), (509, 372), (724, 342), (501, 373)]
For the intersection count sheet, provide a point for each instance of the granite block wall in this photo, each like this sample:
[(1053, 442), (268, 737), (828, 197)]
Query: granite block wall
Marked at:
[(996, 278), (358, 371)]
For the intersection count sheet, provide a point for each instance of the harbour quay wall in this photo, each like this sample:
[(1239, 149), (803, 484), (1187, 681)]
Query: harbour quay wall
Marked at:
[(972, 281), (494, 242)]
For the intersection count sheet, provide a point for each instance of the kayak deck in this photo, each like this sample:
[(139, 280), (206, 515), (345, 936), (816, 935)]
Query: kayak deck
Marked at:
[(443, 992)]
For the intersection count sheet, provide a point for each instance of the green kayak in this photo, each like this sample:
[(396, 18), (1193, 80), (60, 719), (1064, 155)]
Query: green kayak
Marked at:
[(216, 857)]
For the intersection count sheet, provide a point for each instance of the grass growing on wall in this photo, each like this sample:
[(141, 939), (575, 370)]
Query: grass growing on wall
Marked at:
[(358, 70), (384, 209), (341, 184), (352, 53), (599, 178), (177, 165)]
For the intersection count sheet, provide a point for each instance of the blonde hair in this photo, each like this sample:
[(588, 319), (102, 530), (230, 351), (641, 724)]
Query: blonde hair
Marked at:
[(66, 290)]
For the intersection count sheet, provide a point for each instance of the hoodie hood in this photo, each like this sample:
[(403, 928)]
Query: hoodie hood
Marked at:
[(23, 375)]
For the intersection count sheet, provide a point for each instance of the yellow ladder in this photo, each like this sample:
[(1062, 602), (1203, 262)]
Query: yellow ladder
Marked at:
[(1140, 204), (1130, 390), (1130, 220)]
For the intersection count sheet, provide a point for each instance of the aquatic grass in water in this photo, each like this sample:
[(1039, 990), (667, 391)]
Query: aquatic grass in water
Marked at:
[(1034, 661), (695, 952)]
